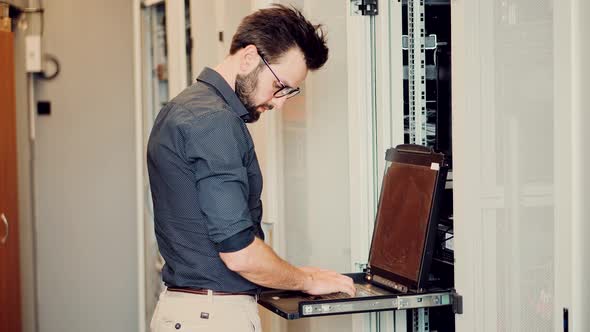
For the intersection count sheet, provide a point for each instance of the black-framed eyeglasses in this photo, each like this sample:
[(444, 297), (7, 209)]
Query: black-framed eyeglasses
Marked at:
[(284, 90)]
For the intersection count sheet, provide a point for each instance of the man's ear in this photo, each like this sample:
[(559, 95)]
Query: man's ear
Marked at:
[(249, 59)]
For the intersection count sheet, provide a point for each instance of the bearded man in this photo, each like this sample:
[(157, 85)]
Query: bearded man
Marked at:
[(206, 182)]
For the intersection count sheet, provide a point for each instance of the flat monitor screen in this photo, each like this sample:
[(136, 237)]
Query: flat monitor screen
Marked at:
[(402, 220)]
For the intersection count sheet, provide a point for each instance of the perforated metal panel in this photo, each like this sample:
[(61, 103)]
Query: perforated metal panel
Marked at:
[(504, 162)]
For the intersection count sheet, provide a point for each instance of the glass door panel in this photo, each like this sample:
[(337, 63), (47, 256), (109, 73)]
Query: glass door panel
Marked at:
[(504, 157)]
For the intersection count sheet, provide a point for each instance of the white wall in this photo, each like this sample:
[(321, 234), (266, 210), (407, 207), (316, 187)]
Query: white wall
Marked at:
[(208, 19), (316, 174), (85, 171), (204, 36)]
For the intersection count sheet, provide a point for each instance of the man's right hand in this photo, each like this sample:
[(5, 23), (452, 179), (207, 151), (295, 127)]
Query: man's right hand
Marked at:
[(321, 281), (261, 265)]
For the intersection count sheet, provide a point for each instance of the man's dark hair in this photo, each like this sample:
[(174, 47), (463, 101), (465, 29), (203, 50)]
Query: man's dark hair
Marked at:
[(277, 29)]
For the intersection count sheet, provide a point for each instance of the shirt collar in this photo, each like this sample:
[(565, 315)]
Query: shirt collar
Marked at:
[(211, 77)]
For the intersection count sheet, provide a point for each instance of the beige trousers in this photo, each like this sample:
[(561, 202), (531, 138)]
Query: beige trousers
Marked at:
[(186, 312)]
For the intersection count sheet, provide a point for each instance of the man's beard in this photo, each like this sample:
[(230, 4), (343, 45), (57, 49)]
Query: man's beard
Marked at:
[(245, 88)]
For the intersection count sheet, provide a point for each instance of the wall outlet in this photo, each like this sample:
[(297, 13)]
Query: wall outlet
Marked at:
[(33, 54)]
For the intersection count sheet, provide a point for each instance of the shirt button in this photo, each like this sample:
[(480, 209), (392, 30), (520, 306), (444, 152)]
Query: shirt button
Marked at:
[(177, 326)]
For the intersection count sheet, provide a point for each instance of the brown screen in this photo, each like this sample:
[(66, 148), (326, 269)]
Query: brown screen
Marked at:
[(402, 219)]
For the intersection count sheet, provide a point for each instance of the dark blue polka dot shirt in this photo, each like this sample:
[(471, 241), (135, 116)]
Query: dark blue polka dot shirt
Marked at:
[(206, 185)]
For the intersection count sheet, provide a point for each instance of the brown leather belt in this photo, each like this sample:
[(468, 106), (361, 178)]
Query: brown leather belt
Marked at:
[(202, 291)]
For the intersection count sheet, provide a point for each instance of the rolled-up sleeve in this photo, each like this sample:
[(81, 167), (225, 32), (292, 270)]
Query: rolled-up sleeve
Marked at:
[(219, 151)]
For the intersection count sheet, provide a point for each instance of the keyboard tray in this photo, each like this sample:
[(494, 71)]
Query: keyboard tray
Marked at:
[(294, 305)]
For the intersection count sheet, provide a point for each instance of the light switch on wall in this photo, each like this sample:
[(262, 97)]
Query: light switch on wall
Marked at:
[(33, 53)]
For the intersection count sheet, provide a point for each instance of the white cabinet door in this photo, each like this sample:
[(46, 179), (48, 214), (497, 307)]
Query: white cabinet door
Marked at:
[(518, 163)]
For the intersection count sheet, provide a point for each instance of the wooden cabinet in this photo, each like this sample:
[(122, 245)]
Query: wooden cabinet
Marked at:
[(10, 302)]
